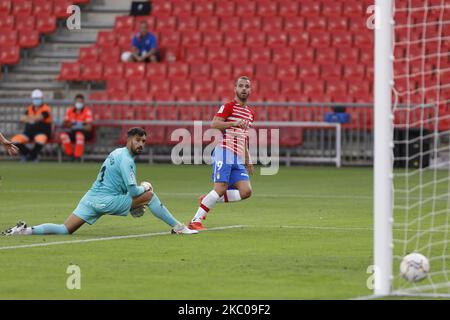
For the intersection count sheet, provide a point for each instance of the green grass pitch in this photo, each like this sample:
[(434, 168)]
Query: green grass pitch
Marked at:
[(306, 233)]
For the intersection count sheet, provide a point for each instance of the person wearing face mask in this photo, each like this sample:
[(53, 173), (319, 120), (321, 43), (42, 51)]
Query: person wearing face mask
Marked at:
[(78, 128), (38, 127)]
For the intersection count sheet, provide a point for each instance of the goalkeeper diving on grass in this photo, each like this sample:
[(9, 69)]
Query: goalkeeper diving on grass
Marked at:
[(115, 192)]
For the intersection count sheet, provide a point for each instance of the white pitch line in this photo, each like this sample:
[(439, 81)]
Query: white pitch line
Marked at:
[(106, 239)]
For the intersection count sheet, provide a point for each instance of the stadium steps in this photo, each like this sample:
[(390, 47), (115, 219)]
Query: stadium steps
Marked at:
[(40, 68)]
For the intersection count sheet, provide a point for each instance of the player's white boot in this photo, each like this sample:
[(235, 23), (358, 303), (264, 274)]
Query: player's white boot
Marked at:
[(19, 229), (182, 229)]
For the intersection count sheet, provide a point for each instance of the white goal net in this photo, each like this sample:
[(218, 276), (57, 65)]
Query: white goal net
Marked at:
[(421, 109)]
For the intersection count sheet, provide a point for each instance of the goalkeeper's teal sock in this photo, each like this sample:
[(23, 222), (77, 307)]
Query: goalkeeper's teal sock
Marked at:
[(49, 228), (161, 212)]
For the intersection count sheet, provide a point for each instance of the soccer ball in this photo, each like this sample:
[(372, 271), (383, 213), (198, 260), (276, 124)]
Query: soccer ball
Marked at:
[(414, 267)]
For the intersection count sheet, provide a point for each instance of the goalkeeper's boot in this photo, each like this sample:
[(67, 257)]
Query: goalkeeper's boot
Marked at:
[(196, 226), (18, 229), (182, 229)]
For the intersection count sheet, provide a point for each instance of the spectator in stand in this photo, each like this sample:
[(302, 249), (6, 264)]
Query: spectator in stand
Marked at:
[(144, 46), (78, 128), (38, 128)]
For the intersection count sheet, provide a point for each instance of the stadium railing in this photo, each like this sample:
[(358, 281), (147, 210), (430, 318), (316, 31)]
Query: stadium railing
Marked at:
[(304, 135)]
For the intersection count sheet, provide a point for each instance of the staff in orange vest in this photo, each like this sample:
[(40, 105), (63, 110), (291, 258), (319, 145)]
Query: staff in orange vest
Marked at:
[(38, 127), (78, 123)]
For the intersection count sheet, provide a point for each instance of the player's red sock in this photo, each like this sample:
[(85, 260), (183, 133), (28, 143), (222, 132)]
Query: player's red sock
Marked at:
[(79, 145), (230, 196), (67, 144), (206, 205)]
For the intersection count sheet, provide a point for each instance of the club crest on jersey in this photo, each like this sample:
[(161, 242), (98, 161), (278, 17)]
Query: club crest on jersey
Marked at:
[(132, 178)]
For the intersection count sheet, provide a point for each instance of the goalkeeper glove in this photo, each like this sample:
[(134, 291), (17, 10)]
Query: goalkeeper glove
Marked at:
[(147, 186)]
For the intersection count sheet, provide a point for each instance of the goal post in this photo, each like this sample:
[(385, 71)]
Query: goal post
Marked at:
[(383, 148), (412, 144)]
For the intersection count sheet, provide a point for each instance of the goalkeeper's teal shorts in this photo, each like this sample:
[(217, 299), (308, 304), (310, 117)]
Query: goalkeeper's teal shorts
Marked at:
[(92, 206)]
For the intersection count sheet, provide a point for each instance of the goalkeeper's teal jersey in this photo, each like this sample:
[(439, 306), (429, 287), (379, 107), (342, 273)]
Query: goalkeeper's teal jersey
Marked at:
[(116, 174)]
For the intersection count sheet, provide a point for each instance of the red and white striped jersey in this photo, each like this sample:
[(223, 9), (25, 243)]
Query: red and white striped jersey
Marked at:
[(234, 138)]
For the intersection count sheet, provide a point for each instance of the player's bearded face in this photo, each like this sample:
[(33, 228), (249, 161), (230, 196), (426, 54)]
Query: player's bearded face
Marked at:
[(137, 144), (243, 90)]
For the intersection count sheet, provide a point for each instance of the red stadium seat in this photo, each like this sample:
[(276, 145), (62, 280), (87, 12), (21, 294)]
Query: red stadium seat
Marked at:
[(267, 88), (200, 71), (224, 88), (8, 38), (91, 71), (191, 39), (277, 39), (202, 88), (341, 39), (171, 54), (25, 22), (110, 55), (70, 71), (178, 87), (46, 24), (298, 40), (256, 39), (121, 111), (291, 87), (304, 55), (246, 10), (137, 85), (221, 71), (170, 39), (113, 70), (88, 54), (7, 23), (187, 23), (320, 39), (23, 7), (235, 39), (115, 85), (178, 71), (272, 24), (354, 71), (204, 8), (144, 111), (294, 24), (315, 90), (195, 54), (60, 8), (363, 42), (157, 87), (217, 55), (287, 72), (310, 9), (135, 70), (282, 56), (358, 90), (156, 71), (28, 38), (265, 71), (332, 9), (326, 56), (225, 8), (149, 20), (276, 113), (181, 8), (243, 69), (230, 24), (267, 8), (309, 71), (336, 88), (10, 55), (210, 24), (348, 55), (238, 55), (316, 24), (288, 8), (124, 40), (353, 9), (366, 57), (106, 39), (260, 55), (161, 9), (5, 6), (337, 24), (124, 23), (166, 24), (212, 39), (42, 8), (251, 24), (331, 71)]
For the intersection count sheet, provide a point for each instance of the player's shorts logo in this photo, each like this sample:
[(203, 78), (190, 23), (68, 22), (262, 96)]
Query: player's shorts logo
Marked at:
[(244, 174)]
